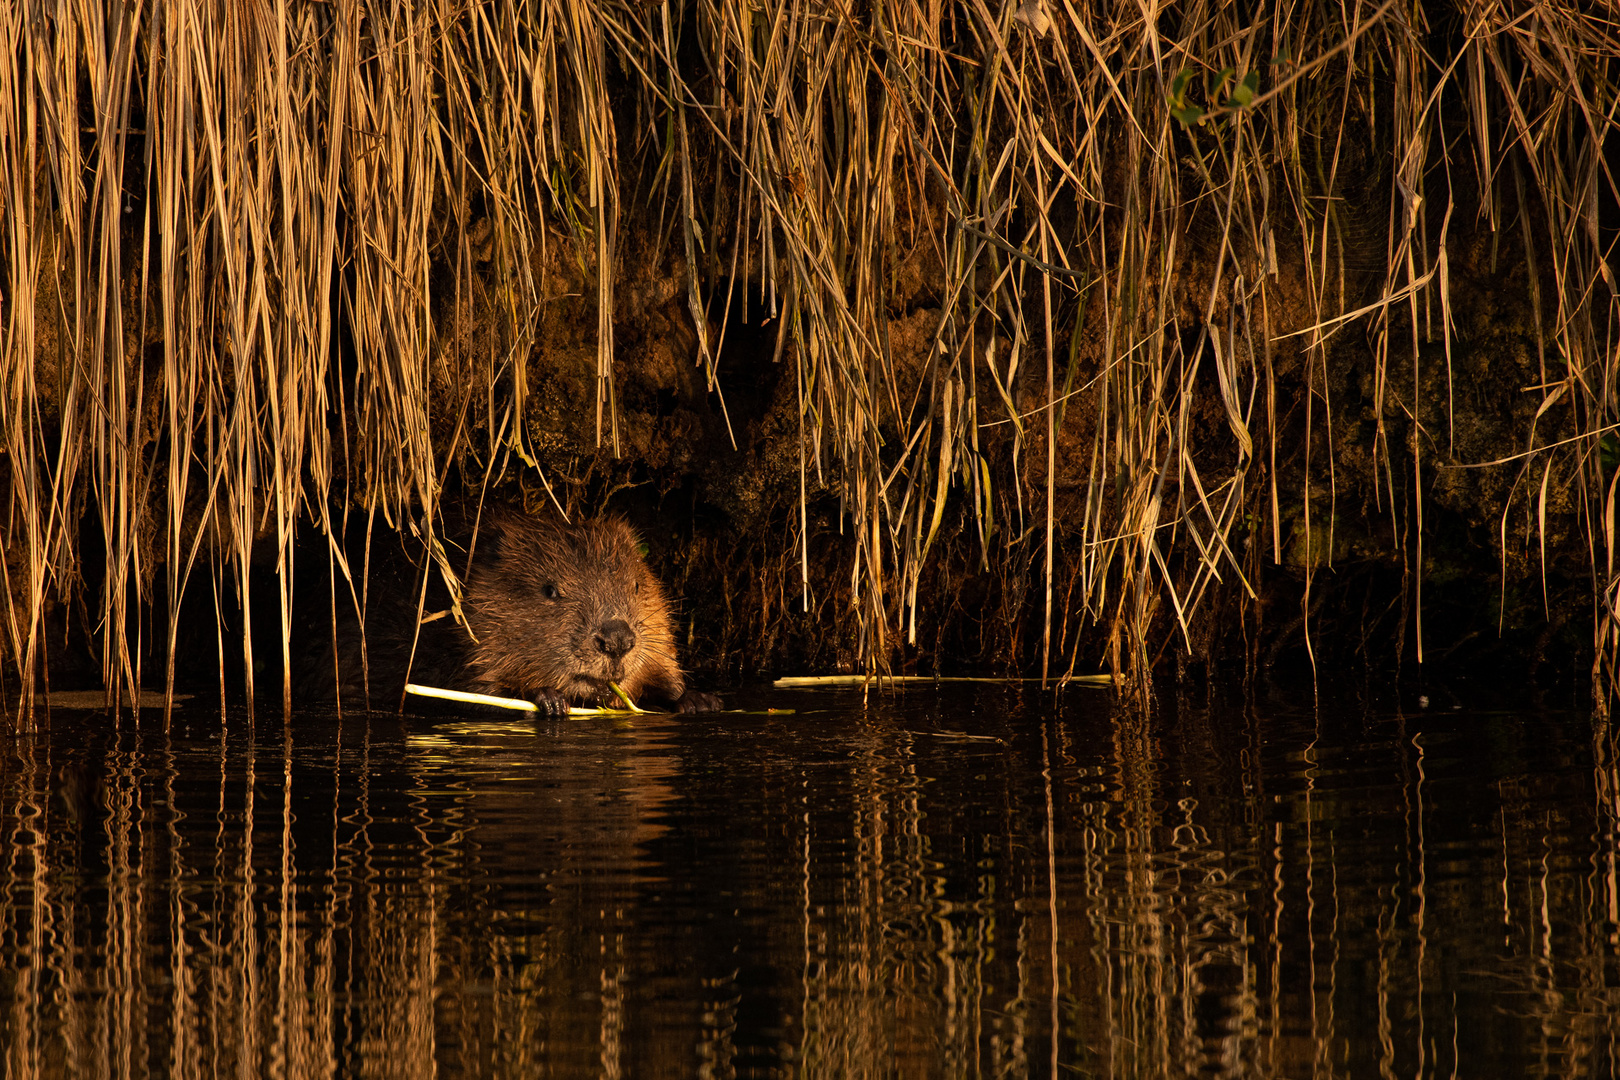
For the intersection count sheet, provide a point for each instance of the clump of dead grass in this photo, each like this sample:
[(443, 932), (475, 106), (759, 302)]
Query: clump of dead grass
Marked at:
[(225, 229)]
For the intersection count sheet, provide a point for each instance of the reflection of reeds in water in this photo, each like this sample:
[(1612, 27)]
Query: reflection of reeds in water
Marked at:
[(1189, 942), (910, 906)]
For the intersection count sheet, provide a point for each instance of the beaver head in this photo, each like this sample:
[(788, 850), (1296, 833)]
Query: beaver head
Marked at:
[(556, 612)]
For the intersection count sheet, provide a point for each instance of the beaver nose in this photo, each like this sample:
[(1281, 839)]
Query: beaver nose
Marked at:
[(614, 638)]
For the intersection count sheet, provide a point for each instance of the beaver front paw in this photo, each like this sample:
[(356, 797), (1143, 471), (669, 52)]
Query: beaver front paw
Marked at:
[(550, 703), (698, 701)]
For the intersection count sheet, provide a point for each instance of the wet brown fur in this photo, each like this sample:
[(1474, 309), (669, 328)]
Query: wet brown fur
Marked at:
[(560, 611), (554, 612)]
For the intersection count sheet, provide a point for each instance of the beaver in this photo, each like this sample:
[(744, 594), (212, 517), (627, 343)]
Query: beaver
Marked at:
[(554, 612)]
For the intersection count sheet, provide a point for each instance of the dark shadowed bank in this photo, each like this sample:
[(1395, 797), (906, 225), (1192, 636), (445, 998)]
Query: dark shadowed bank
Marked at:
[(1042, 338)]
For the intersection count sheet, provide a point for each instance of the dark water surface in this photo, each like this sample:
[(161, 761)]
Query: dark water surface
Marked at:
[(935, 884)]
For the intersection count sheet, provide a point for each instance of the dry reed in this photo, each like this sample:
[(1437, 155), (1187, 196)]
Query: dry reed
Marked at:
[(236, 240)]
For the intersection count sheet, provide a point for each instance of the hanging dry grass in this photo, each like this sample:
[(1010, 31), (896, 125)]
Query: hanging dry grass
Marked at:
[(243, 249)]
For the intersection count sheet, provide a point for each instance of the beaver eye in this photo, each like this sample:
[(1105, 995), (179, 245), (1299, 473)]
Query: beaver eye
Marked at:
[(548, 591)]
